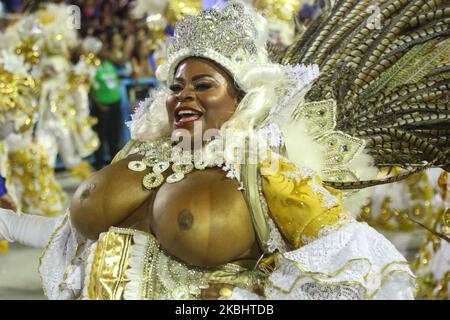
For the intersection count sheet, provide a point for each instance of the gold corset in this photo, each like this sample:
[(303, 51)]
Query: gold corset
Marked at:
[(129, 264)]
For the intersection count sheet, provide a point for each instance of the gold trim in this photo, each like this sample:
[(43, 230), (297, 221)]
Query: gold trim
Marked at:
[(249, 178), (127, 231), (125, 150), (341, 269), (387, 276)]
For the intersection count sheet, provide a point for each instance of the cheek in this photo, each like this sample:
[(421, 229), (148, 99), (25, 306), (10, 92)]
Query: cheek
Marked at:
[(219, 106)]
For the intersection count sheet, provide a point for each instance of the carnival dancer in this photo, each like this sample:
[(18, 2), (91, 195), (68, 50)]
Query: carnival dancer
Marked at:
[(6, 201), (432, 263), (64, 125), (281, 226), (24, 165)]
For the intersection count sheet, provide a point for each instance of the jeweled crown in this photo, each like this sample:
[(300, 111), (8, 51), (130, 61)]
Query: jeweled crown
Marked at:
[(226, 35)]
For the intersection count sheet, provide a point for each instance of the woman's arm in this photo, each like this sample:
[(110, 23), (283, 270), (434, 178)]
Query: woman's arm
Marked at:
[(29, 230), (331, 255)]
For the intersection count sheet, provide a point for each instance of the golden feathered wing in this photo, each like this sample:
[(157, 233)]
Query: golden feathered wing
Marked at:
[(384, 80)]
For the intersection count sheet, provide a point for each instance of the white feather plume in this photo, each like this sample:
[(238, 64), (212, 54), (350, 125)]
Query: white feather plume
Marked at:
[(150, 121)]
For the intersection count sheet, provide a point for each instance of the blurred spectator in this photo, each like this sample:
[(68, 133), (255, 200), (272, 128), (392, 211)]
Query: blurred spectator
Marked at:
[(90, 9), (14, 5), (142, 33), (118, 51), (308, 12), (106, 108), (140, 60)]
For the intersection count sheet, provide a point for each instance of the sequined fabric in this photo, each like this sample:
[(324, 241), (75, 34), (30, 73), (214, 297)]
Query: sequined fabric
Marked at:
[(300, 206), (227, 36), (225, 31), (128, 264)]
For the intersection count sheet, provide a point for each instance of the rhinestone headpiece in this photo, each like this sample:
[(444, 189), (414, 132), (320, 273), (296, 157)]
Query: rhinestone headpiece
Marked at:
[(227, 36)]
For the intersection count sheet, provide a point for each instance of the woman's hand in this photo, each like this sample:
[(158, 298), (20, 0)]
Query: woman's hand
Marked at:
[(216, 291), (7, 202)]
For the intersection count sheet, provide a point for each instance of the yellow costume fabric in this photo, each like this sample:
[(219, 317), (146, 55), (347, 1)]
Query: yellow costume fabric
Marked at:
[(37, 190), (3, 247), (298, 203)]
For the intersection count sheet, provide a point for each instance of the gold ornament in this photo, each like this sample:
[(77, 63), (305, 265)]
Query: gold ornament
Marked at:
[(150, 161), (90, 59), (18, 94), (153, 180), (225, 293), (137, 166), (446, 218), (161, 167), (160, 156), (184, 168), (83, 170), (29, 51), (175, 177)]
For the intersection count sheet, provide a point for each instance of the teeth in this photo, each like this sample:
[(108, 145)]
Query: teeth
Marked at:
[(183, 112)]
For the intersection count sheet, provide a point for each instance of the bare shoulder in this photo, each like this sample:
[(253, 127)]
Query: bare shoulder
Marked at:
[(107, 198)]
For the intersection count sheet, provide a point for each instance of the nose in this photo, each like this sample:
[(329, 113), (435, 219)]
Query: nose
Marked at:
[(185, 95)]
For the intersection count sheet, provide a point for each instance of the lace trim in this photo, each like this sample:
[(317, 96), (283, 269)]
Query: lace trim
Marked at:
[(356, 255), (328, 228), (272, 133), (72, 280), (366, 294), (329, 201), (46, 250), (88, 268), (301, 76), (366, 276), (299, 173), (311, 275), (275, 242)]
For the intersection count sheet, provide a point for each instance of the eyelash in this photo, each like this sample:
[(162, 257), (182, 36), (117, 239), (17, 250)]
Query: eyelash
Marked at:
[(175, 88), (199, 86), (202, 86)]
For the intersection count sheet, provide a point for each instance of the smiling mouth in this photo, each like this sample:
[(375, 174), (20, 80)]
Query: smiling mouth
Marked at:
[(185, 117)]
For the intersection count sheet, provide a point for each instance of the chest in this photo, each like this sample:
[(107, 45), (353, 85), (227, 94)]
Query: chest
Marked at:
[(202, 219)]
